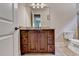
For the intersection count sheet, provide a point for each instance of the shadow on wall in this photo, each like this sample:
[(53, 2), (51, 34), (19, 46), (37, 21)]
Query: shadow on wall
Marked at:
[(71, 26)]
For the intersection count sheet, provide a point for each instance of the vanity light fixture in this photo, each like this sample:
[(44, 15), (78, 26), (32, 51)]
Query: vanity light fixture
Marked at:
[(38, 5)]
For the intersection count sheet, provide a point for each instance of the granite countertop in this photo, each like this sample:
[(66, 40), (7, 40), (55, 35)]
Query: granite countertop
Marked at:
[(32, 28)]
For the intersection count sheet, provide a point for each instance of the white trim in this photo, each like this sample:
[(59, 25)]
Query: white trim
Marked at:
[(4, 37), (1, 20)]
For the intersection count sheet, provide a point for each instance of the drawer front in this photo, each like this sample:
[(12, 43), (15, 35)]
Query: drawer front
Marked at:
[(24, 41), (51, 48), (50, 41), (24, 48), (50, 34), (50, 38), (24, 34)]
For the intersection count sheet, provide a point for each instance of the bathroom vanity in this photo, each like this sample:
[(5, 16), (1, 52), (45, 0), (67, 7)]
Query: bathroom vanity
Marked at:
[(37, 40)]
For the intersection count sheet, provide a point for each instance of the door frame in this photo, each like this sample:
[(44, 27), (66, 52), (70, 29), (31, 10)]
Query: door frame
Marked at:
[(16, 41)]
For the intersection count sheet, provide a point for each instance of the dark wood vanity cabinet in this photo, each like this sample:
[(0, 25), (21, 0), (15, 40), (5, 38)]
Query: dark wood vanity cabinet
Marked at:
[(37, 41)]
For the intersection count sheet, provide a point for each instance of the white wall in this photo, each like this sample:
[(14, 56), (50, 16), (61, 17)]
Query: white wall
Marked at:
[(24, 15)]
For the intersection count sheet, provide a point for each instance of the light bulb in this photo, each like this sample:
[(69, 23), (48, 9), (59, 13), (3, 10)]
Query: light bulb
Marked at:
[(37, 6), (33, 6), (42, 6)]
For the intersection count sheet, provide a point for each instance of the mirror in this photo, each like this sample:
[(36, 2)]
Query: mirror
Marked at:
[(39, 17), (37, 21)]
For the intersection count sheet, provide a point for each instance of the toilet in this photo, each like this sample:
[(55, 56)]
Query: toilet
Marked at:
[(72, 44), (68, 35)]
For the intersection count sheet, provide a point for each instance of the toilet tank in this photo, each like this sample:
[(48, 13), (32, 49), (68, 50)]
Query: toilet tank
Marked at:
[(68, 35)]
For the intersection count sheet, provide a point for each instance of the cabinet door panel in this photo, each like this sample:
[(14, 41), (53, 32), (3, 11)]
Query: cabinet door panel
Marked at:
[(42, 41), (32, 39)]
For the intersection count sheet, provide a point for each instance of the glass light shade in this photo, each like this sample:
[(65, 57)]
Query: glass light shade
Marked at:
[(33, 6), (37, 6), (42, 6)]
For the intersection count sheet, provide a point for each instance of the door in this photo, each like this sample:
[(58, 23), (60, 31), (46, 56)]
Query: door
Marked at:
[(42, 41), (37, 41), (32, 41), (6, 29)]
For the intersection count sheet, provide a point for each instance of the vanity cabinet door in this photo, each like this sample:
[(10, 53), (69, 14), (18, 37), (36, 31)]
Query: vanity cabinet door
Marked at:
[(42, 41), (32, 41)]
